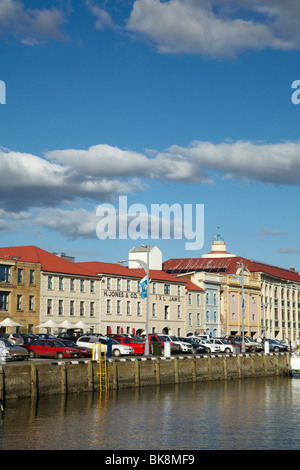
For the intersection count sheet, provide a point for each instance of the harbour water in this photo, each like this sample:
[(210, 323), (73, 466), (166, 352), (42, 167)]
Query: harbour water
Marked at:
[(247, 414)]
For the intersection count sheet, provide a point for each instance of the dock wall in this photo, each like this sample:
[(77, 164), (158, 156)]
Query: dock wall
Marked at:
[(31, 379)]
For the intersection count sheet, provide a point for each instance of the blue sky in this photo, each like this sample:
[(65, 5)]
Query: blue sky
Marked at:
[(177, 101)]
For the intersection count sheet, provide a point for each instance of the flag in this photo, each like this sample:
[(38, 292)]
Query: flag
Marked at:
[(143, 284)]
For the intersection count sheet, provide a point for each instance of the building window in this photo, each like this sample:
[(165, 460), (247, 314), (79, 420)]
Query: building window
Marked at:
[(4, 273), (31, 277), (178, 311), (71, 308), (190, 319), (153, 310), (4, 301), (49, 282), (178, 290), (198, 319), (108, 305), (61, 283), (215, 316), (19, 302), (31, 302), (81, 313), (128, 307), (92, 309), (20, 276), (207, 315), (119, 307), (81, 285), (166, 316), (118, 284), (92, 286), (108, 283), (49, 307), (198, 299), (128, 284), (153, 287), (190, 299), (139, 309), (215, 299), (207, 298), (167, 289), (60, 307), (72, 285)]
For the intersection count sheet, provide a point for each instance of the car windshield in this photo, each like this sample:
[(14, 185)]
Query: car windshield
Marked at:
[(55, 344), (174, 338), (250, 339), (7, 342)]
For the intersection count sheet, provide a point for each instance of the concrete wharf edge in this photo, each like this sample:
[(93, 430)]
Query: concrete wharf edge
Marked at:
[(33, 379)]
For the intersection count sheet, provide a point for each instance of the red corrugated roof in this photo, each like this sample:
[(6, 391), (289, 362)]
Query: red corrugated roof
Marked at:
[(48, 261), (189, 285), (226, 266), (114, 269)]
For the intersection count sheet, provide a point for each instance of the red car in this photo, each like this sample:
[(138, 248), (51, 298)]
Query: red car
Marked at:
[(138, 346), (51, 348), (85, 352)]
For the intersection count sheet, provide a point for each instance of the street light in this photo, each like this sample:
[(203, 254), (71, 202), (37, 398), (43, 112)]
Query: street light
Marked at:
[(240, 278), (145, 266)]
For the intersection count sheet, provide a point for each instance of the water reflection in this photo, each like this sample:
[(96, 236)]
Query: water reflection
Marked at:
[(239, 414)]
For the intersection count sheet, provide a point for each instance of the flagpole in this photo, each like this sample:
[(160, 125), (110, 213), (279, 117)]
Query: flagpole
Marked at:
[(243, 308), (145, 266), (147, 347)]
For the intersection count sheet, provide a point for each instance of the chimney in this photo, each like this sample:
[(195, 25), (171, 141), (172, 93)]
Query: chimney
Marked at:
[(292, 268)]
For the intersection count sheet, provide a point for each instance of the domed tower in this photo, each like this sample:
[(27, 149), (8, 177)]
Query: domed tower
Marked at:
[(218, 248)]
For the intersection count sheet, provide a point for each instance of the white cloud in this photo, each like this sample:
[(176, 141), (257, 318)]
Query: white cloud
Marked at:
[(216, 28), (108, 162), (103, 18), (32, 26), (30, 181), (268, 163)]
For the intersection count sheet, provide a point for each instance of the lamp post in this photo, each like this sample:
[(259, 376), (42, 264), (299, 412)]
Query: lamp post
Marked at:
[(145, 266), (240, 278)]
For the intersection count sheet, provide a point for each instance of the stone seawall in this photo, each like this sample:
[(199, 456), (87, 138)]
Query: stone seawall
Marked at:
[(30, 379)]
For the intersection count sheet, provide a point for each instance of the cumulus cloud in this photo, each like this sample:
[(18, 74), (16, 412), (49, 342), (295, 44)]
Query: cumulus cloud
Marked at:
[(107, 161), (216, 28), (31, 181), (101, 173), (32, 26), (103, 18), (268, 163)]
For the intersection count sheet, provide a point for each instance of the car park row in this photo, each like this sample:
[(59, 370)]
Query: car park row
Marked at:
[(76, 345)]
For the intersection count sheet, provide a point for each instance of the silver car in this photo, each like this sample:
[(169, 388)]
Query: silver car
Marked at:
[(17, 352), (5, 353)]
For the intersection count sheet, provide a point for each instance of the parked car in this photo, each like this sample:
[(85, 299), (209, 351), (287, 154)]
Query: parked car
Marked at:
[(85, 352), (184, 345), (5, 354), (51, 348), (212, 348), (224, 345), (197, 348), (137, 345), (236, 341), (250, 344), (28, 337), (46, 336), (117, 348), (70, 335), (277, 346), (17, 352), (161, 339), (16, 338)]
